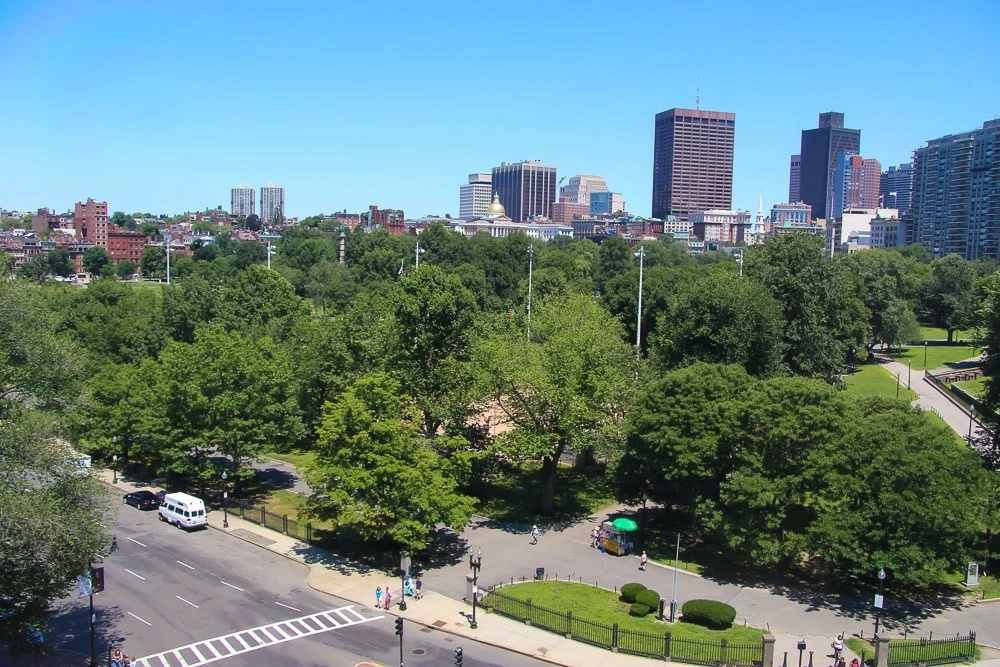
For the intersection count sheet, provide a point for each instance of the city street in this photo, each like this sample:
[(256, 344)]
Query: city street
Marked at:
[(207, 596)]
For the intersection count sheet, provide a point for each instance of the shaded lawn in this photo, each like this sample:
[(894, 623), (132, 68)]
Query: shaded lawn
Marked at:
[(297, 458), (603, 606), (282, 502), (875, 380), (515, 494), (937, 355), (928, 653)]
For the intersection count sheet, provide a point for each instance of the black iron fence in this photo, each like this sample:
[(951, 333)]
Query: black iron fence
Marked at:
[(277, 522), (636, 642), (932, 651)]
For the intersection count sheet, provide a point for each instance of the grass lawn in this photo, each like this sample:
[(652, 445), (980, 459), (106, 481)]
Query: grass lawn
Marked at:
[(296, 458), (874, 380), (603, 606), (937, 419), (928, 653), (284, 502), (975, 387), (934, 333), (515, 495), (937, 355)]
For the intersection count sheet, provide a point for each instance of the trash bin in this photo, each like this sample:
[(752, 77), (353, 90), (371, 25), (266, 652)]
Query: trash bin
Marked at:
[(539, 573)]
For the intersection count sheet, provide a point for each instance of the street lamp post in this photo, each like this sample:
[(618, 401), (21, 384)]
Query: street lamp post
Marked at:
[(114, 459), (225, 512), (925, 355), (673, 594), (879, 600), (909, 373), (642, 532), (897, 385), (418, 251), (531, 257), (475, 564), (641, 254)]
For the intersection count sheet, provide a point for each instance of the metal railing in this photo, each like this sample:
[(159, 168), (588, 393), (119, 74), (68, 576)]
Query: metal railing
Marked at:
[(932, 651), (280, 523), (636, 642)]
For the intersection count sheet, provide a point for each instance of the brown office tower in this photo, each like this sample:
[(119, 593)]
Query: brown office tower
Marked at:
[(91, 222), (526, 189), (692, 162)]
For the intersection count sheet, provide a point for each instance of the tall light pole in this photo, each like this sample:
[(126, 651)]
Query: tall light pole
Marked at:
[(269, 253), (166, 242), (740, 260), (879, 600), (475, 564), (641, 254), (531, 257), (673, 593), (114, 457), (225, 492), (418, 251), (909, 372), (925, 356)]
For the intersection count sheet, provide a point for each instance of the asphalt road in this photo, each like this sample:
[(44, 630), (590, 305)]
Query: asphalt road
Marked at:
[(167, 589)]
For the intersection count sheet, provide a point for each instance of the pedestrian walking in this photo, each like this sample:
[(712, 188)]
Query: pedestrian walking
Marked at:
[(378, 597), (420, 586), (838, 648), (595, 537), (534, 534), (642, 561), (388, 598)]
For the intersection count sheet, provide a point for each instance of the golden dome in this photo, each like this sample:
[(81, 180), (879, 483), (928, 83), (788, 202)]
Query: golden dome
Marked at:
[(496, 209)]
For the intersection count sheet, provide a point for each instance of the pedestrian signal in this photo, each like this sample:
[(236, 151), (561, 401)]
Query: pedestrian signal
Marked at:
[(458, 657)]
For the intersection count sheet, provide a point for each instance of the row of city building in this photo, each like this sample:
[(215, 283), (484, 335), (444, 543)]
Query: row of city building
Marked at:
[(243, 202)]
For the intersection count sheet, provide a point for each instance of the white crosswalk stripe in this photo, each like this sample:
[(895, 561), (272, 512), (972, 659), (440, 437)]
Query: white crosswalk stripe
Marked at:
[(251, 639)]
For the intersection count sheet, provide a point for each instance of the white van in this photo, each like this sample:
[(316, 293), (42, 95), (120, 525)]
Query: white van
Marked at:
[(183, 511)]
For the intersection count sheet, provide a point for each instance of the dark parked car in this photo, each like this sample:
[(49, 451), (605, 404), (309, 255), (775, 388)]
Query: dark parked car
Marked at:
[(143, 500)]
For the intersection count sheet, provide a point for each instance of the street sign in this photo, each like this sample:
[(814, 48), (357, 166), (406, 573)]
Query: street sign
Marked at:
[(83, 585), (97, 579), (878, 601)]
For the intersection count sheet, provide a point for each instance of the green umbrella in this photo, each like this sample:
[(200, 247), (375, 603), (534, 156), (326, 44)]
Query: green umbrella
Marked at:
[(624, 524)]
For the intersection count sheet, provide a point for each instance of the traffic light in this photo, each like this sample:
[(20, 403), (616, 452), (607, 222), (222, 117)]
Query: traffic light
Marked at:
[(399, 626), (97, 579), (458, 657)]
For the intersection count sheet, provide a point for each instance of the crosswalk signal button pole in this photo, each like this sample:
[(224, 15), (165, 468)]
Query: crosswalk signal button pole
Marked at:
[(458, 657)]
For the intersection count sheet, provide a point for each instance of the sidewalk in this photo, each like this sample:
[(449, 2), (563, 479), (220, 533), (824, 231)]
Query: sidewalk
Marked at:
[(335, 575), (929, 397)]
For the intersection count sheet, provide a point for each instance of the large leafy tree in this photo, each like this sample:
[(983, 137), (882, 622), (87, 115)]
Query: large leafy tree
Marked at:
[(890, 284), (96, 261), (898, 492), (434, 323), (260, 300), (51, 522), (567, 388), (153, 262), (60, 262), (375, 473), (824, 319), (35, 269), (949, 294), (228, 394), (724, 319)]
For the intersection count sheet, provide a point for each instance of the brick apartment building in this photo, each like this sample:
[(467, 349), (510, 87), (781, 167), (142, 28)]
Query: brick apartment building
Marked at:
[(122, 245), (389, 219), (91, 222)]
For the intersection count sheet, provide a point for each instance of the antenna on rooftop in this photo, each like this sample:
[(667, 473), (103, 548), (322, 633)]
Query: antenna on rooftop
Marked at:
[(697, 94)]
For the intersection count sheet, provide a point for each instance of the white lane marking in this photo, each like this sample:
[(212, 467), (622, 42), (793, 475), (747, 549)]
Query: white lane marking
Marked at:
[(140, 619), (231, 586), (186, 601), (286, 606), (259, 633), (186, 565), (134, 574), (136, 541)]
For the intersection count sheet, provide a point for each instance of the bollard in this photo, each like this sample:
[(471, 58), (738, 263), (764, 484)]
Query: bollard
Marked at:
[(810, 659), (784, 662)]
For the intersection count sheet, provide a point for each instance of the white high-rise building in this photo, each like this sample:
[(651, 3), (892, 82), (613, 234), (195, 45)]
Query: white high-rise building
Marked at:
[(243, 200), (474, 199), (272, 202), (579, 188)]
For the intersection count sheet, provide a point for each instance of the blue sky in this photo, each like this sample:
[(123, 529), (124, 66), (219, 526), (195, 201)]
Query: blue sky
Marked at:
[(163, 107)]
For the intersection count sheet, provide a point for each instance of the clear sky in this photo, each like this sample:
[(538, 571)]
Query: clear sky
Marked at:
[(164, 106)]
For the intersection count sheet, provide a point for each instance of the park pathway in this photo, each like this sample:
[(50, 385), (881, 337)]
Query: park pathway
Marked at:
[(929, 398)]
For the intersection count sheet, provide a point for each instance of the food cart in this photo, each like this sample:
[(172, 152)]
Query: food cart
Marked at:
[(616, 538)]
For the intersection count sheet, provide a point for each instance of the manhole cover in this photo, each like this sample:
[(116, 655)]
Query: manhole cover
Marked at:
[(419, 651), (439, 624)]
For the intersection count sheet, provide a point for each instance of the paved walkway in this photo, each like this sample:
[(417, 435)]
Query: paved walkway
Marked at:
[(928, 396)]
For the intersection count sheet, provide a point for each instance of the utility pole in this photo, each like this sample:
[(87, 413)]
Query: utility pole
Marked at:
[(531, 257), (641, 254), (673, 594)]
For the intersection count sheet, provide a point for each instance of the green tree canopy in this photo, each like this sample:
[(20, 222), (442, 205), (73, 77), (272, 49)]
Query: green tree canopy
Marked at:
[(949, 294), (96, 260), (376, 474), (60, 262)]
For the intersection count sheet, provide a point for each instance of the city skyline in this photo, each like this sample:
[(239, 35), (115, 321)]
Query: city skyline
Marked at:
[(163, 156)]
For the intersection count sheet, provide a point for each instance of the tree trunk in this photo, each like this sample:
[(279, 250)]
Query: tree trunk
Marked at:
[(986, 563), (549, 466), (950, 333)]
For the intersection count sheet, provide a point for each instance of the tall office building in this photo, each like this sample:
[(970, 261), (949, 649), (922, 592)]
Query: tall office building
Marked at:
[(794, 179), (855, 183), (474, 198), (896, 187), (692, 162), (242, 199), (579, 188), (956, 199), (525, 189), (819, 151), (606, 203), (272, 203)]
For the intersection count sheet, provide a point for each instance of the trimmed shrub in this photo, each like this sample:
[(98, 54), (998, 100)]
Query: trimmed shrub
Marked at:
[(638, 610), (629, 591), (649, 598), (711, 614)]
